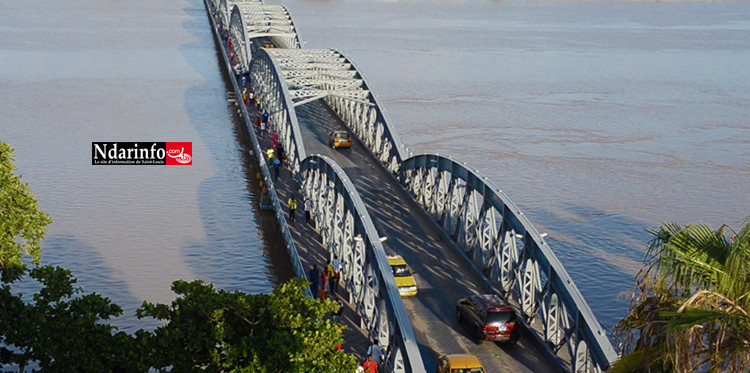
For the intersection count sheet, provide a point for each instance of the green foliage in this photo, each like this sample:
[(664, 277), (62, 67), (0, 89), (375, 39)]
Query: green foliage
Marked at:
[(236, 332), (62, 329), (22, 225), (59, 328), (690, 310)]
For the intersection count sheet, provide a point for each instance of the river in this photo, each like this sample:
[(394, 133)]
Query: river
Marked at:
[(599, 119)]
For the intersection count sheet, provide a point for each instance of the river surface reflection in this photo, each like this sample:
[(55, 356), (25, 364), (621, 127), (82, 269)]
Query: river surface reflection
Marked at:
[(599, 119), (130, 71)]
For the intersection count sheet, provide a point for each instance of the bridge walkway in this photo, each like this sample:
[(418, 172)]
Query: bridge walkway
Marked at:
[(309, 247), (442, 274)]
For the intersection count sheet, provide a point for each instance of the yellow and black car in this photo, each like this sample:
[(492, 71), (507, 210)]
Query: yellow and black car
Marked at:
[(339, 139), (407, 287)]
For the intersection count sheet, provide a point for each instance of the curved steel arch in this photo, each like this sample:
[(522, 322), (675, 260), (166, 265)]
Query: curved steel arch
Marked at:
[(265, 171), (328, 74), (237, 29), (273, 21), (276, 100), (347, 230), (468, 206), (252, 20)]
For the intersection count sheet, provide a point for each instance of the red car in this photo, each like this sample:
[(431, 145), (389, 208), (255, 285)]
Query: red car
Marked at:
[(489, 318)]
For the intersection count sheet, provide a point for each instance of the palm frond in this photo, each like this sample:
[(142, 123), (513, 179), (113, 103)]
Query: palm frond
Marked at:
[(688, 257), (692, 317)]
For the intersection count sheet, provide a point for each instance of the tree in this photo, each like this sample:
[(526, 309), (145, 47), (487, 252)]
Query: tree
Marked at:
[(217, 331), (22, 225), (690, 309), (60, 329)]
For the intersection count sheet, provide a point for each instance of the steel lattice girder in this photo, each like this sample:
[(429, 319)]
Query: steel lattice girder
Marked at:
[(464, 221), (328, 74), (371, 284), (314, 74), (276, 99), (273, 21)]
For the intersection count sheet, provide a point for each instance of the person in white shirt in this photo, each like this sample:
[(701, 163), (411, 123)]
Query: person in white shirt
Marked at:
[(377, 352), (337, 267)]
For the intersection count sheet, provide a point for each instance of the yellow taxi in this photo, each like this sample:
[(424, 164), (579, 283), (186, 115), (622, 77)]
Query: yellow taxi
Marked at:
[(459, 363), (339, 139), (407, 287)]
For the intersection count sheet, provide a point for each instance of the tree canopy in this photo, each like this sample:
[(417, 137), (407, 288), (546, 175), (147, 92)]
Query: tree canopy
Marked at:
[(221, 331), (22, 225), (690, 310), (60, 328)]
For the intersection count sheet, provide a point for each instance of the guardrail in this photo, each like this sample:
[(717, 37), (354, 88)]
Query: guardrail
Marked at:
[(274, 94), (464, 203), (267, 180), (343, 222), (508, 250)]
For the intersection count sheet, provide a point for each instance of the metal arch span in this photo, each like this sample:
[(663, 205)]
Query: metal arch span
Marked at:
[(328, 74), (347, 231), (276, 100), (273, 21), (252, 20), (503, 244)]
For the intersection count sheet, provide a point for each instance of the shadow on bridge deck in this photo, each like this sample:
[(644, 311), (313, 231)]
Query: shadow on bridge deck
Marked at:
[(442, 274), (311, 251)]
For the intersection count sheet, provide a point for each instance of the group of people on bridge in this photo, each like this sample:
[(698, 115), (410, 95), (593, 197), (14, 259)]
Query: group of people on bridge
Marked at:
[(325, 283)]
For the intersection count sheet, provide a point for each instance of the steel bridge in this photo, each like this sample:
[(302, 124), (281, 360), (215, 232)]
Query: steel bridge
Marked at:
[(458, 231)]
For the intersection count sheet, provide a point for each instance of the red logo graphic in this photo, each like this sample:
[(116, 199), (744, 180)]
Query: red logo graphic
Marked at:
[(179, 153)]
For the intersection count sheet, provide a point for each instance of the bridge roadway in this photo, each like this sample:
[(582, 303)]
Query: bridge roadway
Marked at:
[(442, 274)]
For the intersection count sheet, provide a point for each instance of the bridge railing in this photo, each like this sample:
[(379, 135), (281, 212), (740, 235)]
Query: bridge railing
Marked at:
[(342, 220), (502, 243), (510, 253), (276, 100), (286, 233)]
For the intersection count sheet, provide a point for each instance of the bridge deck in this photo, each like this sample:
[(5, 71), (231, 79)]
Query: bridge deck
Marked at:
[(311, 251), (442, 274)]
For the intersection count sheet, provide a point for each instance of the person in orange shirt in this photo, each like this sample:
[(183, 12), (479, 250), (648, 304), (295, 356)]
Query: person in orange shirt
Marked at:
[(370, 365)]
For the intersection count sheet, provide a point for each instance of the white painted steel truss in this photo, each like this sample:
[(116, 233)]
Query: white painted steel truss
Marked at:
[(275, 100), (327, 74), (480, 218), (251, 20), (272, 21), (341, 219), (503, 244), (225, 8)]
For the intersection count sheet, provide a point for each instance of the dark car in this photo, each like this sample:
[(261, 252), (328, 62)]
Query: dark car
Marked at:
[(489, 318)]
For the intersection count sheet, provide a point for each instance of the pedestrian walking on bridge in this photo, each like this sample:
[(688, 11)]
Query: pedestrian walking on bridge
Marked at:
[(314, 277), (277, 170), (337, 267), (308, 207), (292, 208)]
